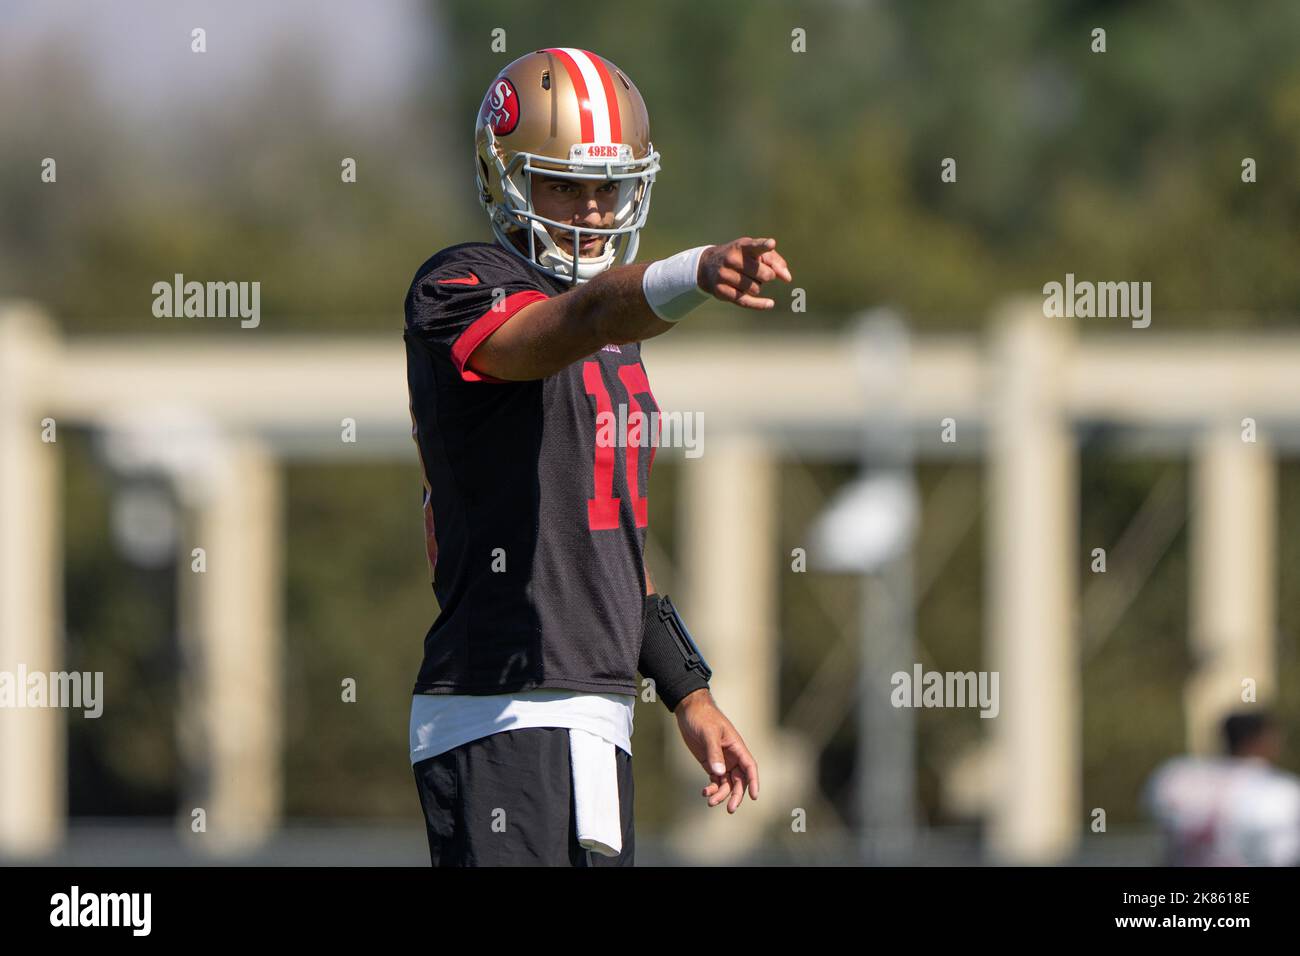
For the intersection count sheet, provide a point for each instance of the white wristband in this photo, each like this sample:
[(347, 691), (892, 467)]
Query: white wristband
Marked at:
[(671, 285)]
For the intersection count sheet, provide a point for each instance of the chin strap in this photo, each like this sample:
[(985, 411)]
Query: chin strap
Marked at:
[(555, 258)]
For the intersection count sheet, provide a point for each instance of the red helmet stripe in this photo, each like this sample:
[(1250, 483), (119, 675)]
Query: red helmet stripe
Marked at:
[(580, 87), (611, 99)]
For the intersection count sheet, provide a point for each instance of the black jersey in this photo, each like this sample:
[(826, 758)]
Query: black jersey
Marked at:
[(534, 529)]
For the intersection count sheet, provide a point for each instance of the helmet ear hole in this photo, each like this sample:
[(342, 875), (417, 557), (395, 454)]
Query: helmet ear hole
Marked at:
[(546, 79), (484, 170)]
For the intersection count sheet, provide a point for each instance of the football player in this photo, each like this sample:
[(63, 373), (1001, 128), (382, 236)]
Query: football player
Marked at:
[(1235, 810), (518, 350)]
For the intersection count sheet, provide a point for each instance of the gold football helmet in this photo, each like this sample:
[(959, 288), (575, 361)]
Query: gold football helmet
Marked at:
[(567, 114)]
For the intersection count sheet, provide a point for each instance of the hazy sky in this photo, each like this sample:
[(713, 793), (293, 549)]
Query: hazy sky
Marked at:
[(139, 50)]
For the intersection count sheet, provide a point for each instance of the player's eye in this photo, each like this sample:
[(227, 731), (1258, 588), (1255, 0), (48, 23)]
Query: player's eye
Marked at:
[(607, 187)]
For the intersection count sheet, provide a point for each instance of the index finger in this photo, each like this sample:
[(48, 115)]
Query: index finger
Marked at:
[(756, 246), (777, 263)]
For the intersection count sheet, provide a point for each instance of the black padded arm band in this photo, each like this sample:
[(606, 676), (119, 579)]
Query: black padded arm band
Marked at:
[(669, 656)]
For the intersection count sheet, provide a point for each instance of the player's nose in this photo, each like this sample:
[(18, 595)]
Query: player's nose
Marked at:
[(589, 214)]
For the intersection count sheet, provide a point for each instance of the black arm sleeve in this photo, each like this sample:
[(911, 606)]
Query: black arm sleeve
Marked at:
[(669, 656)]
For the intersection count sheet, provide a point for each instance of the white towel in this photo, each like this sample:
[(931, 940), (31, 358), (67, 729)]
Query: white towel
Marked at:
[(595, 793)]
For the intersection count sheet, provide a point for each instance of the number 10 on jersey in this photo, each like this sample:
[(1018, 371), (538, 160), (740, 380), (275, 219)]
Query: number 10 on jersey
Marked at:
[(603, 510)]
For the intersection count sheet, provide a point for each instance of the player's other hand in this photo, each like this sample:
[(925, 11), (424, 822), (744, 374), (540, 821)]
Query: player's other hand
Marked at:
[(735, 272), (717, 745)]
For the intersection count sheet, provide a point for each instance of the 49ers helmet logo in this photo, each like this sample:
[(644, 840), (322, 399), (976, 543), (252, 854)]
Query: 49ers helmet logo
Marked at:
[(501, 107)]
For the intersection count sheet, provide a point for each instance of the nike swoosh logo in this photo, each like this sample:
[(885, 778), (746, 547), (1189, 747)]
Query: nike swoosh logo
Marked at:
[(470, 279)]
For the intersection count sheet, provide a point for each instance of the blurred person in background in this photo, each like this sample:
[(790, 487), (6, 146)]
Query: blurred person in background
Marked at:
[(520, 353), (1235, 810)]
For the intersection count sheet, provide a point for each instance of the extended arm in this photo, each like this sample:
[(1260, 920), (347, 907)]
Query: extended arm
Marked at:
[(545, 337)]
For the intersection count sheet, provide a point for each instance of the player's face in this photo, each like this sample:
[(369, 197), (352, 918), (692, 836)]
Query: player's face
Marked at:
[(1271, 745), (583, 203)]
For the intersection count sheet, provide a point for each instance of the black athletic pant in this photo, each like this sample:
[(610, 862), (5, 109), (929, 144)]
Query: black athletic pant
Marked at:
[(507, 800)]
